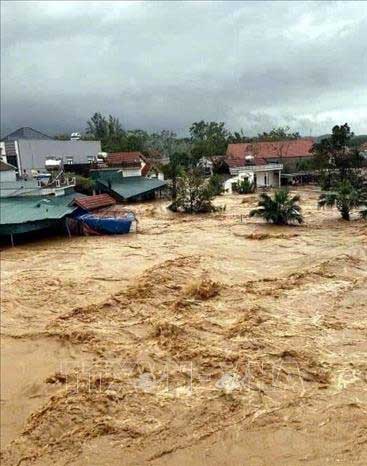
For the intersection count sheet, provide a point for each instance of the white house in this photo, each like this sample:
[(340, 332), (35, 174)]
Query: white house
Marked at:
[(263, 175)]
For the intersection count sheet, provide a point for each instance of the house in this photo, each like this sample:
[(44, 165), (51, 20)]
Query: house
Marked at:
[(28, 150), (130, 163), (134, 164), (262, 173), (126, 188), (7, 172), (287, 153)]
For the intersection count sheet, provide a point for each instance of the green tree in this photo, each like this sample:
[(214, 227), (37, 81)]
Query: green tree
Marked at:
[(280, 210), (278, 134), (346, 197), (333, 156), (215, 184), (238, 137), (193, 194), (108, 130), (174, 169), (208, 139)]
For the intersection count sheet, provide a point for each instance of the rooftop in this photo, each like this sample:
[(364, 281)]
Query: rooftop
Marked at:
[(125, 159), (95, 202), (25, 133), (237, 153), (132, 186), (4, 167), (17, 210)]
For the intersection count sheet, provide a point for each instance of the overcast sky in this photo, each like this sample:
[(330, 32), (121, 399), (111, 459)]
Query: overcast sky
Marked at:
[(164, 65)]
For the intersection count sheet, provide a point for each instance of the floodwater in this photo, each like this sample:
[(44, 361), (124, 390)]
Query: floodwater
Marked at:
[(199, 340)]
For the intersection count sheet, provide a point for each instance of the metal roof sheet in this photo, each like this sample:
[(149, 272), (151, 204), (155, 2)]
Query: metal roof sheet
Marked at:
[(132, 186), (17, 210), (25, 133)]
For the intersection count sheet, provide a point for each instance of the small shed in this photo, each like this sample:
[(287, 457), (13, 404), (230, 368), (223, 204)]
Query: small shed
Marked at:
[(132, 188), (32, 213)]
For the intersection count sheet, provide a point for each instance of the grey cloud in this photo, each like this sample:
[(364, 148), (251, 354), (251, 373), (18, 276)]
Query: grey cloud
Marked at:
[(165, 65)]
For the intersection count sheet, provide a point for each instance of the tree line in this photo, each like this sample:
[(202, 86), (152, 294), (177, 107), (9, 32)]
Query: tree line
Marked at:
[(206, 138)]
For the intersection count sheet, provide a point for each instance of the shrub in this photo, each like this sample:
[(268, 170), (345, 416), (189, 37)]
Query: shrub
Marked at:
[(280, 210), (244, 187), (216, 184), (345, 197)]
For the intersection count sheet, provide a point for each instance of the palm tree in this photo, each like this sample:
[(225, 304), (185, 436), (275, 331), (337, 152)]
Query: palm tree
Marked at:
[(346, 197), (280, 210)]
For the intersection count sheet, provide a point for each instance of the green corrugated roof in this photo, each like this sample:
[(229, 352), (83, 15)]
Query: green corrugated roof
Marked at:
[(17, 210), (105, 174), (132, 186)]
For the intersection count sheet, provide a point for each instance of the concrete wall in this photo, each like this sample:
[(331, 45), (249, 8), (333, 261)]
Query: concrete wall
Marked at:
[(267, 179), (33, 153)]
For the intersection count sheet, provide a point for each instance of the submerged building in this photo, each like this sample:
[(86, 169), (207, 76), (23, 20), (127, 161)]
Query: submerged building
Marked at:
[(126, 188)]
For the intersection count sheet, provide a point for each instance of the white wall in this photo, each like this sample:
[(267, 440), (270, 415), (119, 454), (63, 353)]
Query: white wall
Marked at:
[(33, 153), (267, 179), (131, 172), (8, 175)]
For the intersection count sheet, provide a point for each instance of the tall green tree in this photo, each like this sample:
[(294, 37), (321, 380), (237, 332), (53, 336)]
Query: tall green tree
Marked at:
[(108, 130), (333, 156), (208, 139), (174, 169)]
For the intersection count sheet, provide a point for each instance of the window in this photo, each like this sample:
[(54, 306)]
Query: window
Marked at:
[(69, 160)]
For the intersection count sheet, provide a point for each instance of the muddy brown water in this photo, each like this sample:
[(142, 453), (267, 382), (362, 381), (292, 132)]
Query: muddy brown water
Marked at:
[(199, 340)]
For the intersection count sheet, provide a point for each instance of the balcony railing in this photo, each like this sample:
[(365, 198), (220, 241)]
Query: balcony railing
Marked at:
[(256, 168)]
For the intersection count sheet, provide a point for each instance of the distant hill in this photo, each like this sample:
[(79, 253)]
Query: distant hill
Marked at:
[(356, 141)]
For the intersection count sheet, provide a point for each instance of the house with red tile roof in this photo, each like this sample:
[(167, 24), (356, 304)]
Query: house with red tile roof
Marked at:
[(287, 153), (130, 163), (266, 160)]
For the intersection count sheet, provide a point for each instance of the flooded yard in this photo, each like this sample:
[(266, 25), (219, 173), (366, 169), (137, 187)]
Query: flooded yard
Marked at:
[(211, 339)]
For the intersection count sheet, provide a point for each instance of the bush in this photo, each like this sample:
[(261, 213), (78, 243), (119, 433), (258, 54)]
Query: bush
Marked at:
[(345, 198), (84, 185), (244, 187), (280, 210), (216, 185)]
